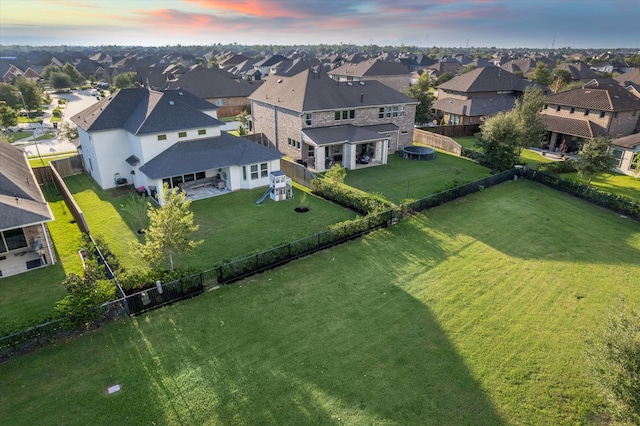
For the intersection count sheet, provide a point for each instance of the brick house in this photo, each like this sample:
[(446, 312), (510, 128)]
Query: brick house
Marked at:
[(313, 119), (626, 151), (480, 93), (25, 242), (587, 112), (226, 91)]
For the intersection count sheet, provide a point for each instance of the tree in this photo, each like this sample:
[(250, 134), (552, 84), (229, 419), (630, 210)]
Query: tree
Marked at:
[(48, 70), (614, 360), (10, 95), (530, 124), (420, 92), (170, 227), (499, 141), (68, 131), (541, 74), (561, 77), (213, 62), (465, 69), (59, 80), (125, 80), (444, 77), (31, 92), (595, 157), (8, 115), (73, 73)]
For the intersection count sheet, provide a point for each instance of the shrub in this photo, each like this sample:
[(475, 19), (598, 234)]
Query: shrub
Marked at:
[(558, 167), (361, 202)]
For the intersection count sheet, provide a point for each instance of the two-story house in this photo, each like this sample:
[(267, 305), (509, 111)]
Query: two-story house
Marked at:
[(480, 93), (319, 121), (149, 138), (25, 242), (587, 112), (394, 74)]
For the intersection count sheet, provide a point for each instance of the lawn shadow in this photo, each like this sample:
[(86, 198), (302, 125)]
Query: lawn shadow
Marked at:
[(277, 350)]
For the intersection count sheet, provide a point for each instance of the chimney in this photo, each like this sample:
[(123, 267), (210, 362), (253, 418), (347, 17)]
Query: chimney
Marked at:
[(361, 97)]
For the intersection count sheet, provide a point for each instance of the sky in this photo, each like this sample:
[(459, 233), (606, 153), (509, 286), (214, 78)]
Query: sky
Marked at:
[(423, 23)]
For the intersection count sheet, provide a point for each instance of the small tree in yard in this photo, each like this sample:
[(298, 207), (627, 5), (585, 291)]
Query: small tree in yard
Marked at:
[(595, 157), (530, 124), (170, 228), (336, 174), (499, 141), (8, 116), (420, 92), (614, 358)]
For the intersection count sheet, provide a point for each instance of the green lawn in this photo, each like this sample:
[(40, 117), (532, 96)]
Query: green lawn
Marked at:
[(231, 225), (468, 142), (473, 313), (34, 161), (400, 179), (29, 298), (533, 159), (615, 183)]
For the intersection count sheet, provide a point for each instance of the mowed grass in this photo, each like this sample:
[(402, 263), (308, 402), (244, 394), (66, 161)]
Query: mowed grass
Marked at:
[(402, 179), (231, 225), (616, 183), (475, 312), (29, 298)]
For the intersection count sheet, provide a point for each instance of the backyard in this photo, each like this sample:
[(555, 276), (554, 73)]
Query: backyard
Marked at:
[(402, 179), (475, 312)]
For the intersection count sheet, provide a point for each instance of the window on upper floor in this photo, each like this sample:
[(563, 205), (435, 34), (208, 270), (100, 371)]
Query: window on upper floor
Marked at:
[(601, 114), (346, 114), (202, 131), (391, 111), (557, 108), (182, 134), (308, 119), (572, 110), (162, 137), (220, 102), (586, 112)]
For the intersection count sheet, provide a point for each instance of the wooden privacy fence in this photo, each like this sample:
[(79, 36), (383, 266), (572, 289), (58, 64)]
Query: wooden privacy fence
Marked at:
[(297, 172), (455, 130), (435, 140)]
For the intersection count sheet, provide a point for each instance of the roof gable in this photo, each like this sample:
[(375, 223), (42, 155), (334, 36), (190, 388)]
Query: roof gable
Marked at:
[(487, 79)]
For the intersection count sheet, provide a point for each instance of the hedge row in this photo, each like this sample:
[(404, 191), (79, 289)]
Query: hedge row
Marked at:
[(361, 202)]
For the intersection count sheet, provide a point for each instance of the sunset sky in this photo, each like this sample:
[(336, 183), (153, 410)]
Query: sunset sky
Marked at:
[(424, 23)]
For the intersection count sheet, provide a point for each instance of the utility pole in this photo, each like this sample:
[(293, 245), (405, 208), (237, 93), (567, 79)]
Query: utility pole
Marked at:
[(33, 135)]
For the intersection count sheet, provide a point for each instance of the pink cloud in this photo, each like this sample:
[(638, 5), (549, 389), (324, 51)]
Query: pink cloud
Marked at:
[(252, 7)]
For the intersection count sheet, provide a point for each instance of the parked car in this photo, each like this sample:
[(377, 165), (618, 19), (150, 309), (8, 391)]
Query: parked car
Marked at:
[(93, 92)]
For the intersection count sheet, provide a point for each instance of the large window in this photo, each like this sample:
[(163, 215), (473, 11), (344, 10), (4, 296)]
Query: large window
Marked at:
[(617, 154), (391, 111), (346, 114), (12, 239), (254, 172)]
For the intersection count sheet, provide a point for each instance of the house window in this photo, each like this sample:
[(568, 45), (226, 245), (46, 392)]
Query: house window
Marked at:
[(557, 108), (635, 161), (264, 170), (312, 151), (244, 172), (202, 131), (182, 134), (454, 119), (12, 239), (391, 111), (162, 137), (546, 106), (572, 110), (617, 155), (254, 172), (200, 175), (220, 102), (586, 112), (308, 119), (294, 143), (346, 114), (601, 114)]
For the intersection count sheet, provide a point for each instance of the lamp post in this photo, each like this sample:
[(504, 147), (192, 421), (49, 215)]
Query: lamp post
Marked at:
[(35, 142)]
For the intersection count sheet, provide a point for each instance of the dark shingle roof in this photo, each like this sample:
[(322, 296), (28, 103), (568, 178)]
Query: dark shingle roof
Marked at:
[(21, 202), (606, 97), (373, 68), (487, 79), (212, 83), (630, 141), (480, 105), (204, 154), (143, 111), (580, 127), (308, 91), (341, 134)]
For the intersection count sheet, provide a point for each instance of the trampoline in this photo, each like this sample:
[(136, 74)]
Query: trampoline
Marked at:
[(421, 153)]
